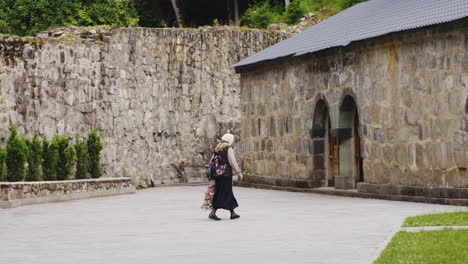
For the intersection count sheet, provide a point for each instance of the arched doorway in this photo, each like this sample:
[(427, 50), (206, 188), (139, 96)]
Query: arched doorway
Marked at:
[(350, 158), (324, 167)]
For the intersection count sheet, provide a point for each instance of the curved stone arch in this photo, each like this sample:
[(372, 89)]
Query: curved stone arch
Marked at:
[(320, 116), (345, 95)]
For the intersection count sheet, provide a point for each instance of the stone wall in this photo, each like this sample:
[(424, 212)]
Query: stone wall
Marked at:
[(409, 91), (14, 194), (158, 97)]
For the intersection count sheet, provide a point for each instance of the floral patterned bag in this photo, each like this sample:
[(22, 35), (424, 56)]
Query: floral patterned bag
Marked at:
[(208, 201)]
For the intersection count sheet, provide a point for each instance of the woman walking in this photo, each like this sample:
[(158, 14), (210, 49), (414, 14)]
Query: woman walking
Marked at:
[(223, 196)]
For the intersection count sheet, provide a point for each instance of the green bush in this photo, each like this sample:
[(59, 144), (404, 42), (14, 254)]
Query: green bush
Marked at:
[(262, 14), (27, 17), (66, 158), (81, 159), (50, 159), (94, 146), (294, 13), (2, 164), (34, 159), (17, 152)]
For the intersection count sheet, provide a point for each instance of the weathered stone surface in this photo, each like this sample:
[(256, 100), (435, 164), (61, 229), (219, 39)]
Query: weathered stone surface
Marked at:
[(160, 98), (18, 190)]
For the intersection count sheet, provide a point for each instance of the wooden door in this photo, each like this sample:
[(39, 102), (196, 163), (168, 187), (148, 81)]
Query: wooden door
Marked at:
[(334, 159), (359, 175)]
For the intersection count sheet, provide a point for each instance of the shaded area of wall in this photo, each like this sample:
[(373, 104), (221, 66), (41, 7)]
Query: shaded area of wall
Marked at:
[(159, 98)]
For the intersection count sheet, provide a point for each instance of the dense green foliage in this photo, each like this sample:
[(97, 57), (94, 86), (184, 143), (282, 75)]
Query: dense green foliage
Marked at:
[(94, 146), (263, 13), (54, 160), (17, 152), (81, 159), (27, 17), (50, 159), (34, 159), (66, 158), (2, 163)]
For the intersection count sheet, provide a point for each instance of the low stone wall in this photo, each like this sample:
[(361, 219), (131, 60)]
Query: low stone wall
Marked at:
[(433, 192), (14, 194), (280, 181)]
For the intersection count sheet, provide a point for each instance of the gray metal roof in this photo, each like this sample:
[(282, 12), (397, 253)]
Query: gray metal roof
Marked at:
[(362, 21)]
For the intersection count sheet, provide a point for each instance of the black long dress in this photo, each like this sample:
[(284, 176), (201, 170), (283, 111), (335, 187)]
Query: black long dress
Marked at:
[(224, 197)]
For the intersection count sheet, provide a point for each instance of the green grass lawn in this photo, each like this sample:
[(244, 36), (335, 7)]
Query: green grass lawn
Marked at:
[(427, 247), (447, 219)]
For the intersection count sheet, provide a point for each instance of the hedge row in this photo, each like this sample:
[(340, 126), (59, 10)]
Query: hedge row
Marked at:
[(35, 159)]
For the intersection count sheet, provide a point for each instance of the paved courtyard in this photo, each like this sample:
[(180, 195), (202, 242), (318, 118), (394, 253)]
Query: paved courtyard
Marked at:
[(165, 225)]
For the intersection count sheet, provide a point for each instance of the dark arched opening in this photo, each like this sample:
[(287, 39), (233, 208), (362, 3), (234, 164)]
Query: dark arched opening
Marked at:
[(320, 145), (351, 162), (466, 106)]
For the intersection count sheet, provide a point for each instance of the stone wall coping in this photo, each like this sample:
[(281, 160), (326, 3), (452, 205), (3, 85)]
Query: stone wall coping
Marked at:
[(66, 181)]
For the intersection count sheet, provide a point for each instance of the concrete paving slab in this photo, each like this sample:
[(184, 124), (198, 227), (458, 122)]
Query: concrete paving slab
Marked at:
[(165, 225)]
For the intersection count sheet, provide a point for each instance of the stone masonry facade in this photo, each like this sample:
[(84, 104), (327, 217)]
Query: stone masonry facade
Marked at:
[(159, 98), (392, 110)]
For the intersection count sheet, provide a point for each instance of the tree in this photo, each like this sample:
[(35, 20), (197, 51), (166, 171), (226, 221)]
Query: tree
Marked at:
[(27, 17), (17, 152), (34, 159), (50, 159), (177, 12), (82, 159), (94, 146), (3, 154), (66, 158)]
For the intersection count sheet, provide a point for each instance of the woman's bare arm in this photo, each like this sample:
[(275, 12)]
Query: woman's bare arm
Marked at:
[(233, 162)]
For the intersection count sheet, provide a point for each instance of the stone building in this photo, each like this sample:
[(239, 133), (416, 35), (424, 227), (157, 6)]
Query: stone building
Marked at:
[(374, 98)]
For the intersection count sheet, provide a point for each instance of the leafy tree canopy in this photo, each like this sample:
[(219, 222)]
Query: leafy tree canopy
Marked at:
[(27, 17)]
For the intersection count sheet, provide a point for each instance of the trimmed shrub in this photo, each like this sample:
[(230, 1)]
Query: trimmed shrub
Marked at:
[(2, 164), (262, 14), (34, 159), (94, 146), (81, 159), (66, 158), (17, 152), (50, 159)]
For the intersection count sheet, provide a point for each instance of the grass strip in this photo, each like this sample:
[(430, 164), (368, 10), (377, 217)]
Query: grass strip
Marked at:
[(447, 246), (445, 219)]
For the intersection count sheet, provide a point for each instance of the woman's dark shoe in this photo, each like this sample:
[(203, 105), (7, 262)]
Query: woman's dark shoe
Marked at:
[(214, 217), (235, 216)]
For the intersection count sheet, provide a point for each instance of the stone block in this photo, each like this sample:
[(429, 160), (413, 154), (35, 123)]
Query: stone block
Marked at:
[(453, 178)]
